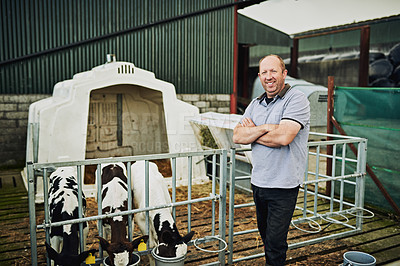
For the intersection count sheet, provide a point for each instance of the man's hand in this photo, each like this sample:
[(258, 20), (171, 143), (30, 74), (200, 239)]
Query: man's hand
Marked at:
[(271, 135), (247, 122)]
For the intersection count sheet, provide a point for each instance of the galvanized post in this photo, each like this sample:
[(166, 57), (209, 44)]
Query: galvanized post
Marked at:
[(231, 205), (361, 168), (222, 203), (99, 205), (146, 194), (80, 214), (214, 177), (332, 174), (174, 186), (46, 210), (342, 173), (316, 179), (32, 213), (306, 186), (129, 183), (189, 207)]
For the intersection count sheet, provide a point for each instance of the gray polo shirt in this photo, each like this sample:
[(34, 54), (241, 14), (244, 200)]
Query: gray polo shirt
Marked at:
[(281, 167)]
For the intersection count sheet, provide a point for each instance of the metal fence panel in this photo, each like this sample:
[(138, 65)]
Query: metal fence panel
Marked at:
[(44, 170)]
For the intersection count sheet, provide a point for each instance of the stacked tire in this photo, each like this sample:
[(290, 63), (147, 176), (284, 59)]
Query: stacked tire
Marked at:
[(384, 71)]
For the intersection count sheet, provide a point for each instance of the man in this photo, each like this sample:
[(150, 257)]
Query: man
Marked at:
[(277, 126)]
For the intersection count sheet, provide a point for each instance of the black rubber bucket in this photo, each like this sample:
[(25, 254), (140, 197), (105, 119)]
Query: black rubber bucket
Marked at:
[(356, 258)]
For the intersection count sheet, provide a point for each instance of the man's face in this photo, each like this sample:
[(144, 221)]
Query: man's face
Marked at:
[(272, 76)]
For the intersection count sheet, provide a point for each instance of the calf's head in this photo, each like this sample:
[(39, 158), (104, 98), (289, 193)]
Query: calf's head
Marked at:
[(171, 243), (120, 253)]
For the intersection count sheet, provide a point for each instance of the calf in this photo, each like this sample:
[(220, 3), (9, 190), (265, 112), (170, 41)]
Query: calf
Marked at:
[(114, 200), (63, 204), (163, 231)]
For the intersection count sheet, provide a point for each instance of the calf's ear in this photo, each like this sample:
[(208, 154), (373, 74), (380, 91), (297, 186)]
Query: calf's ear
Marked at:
[(51, 252), (188, 237), (136, 242), (103, 243)]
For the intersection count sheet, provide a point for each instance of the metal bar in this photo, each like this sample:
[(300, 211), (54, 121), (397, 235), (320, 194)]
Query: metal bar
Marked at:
[(103, 216), (232, 177), (333, 169), (244, 232), (244, 205), (130, 200), (214, 174), (46, 210), (173, 186), (342, 173), (146, 197), (189, 207), (125, 159), (333, 179), (306, 179), (99, 205), (222, 203), (316, 179), (32, 213), (80, 206)]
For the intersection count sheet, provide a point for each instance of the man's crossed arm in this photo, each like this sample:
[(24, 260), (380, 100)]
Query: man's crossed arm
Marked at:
[(271, 135)]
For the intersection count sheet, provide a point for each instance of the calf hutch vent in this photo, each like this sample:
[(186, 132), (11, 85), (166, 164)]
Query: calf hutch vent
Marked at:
[(113, 110)]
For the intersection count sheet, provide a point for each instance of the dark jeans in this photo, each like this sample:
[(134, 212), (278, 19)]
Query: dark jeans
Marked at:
[(274, 208)]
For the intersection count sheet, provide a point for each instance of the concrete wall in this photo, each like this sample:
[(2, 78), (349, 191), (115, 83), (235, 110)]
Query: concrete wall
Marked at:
[(14, 111), (13, 127)]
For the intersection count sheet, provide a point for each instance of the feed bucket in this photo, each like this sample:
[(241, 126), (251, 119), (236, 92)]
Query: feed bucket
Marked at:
[(135, 260), (165, 261), (357, 258)]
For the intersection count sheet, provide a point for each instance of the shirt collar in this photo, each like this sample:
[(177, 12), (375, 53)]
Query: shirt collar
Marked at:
[(281, 94)]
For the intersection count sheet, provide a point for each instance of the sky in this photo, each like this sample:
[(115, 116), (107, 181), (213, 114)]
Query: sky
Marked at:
[(295, 16)]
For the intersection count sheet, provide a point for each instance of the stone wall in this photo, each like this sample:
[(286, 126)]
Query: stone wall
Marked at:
[(14, 110), (219, 103)]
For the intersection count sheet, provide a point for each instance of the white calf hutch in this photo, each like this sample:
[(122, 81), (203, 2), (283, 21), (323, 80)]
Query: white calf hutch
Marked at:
[(113, 110)]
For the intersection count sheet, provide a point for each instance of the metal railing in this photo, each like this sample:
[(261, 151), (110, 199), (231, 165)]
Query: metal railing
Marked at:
[(45, 169), (348, 173)]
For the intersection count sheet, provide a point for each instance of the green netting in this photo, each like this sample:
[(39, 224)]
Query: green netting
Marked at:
[(374, 113)]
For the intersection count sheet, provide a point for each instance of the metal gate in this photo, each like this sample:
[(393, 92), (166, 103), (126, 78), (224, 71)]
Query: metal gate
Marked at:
[(216, 198), (348, 173)]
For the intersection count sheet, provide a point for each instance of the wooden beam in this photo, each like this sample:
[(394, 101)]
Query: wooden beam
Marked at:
[(364, 57), (294, 55), (329, 130)]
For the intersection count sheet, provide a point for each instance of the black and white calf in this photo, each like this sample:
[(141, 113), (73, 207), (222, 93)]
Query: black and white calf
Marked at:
[(114, 200), (163, 230), (63, 204)]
